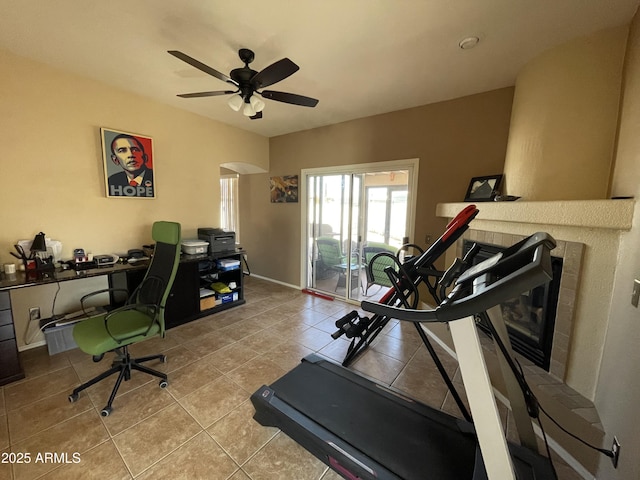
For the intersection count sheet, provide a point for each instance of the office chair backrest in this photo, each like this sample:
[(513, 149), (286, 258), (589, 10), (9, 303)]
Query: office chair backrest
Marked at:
[(157, 282)]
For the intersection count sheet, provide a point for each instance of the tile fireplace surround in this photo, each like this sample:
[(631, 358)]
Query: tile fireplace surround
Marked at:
[(571, 253), (587, 233)]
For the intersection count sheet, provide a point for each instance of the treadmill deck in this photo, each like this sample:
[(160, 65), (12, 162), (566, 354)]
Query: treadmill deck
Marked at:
[(381, 428)]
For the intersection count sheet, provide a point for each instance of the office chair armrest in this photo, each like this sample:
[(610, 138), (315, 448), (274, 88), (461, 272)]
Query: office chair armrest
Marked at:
[(98, 292), (154, 309)]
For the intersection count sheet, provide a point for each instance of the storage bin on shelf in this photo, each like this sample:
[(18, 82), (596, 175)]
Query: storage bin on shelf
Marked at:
[(192, 247)]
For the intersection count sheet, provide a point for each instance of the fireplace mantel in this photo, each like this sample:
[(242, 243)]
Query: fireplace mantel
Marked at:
[(606, 214)]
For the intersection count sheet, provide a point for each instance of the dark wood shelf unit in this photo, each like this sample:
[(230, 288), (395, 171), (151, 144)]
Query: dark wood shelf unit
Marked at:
[(184, 303)]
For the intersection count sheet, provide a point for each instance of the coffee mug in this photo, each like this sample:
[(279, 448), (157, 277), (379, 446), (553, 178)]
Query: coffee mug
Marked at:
[(9, 268)]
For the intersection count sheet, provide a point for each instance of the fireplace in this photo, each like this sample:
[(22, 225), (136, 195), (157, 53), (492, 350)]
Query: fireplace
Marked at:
[(529, 318)]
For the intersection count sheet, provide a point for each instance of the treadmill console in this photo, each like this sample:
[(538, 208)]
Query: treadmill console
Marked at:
[(507, 274)]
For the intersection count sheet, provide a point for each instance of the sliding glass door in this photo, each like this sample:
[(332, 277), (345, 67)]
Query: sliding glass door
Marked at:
[(347, 211), (333, 233), (386, 214)]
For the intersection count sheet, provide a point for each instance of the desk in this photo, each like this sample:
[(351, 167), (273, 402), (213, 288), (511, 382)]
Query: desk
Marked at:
[(183, 304), (21, 280), (10, 367)]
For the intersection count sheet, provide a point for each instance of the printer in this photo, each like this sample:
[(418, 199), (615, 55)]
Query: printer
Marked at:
[(219, 239)]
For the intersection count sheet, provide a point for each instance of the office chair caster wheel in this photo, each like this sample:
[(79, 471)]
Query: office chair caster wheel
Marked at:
[(74, 397), (163, 384), (106, 411), (163, 359)]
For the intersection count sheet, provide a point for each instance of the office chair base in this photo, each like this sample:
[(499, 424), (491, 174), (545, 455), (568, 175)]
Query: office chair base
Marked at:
[(123, 364)]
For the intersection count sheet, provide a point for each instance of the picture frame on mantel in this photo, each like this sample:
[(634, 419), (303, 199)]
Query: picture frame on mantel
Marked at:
[(483, 189), (128, 164)]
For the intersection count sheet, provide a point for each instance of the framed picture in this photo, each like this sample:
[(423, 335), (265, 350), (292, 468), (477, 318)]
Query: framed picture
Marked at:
[(128, 164), (284, 189), (483, 189)]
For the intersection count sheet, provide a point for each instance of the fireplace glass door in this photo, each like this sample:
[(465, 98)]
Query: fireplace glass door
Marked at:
[(530, 317)]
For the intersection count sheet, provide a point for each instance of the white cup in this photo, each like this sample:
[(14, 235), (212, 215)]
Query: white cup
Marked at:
[(9, 268)]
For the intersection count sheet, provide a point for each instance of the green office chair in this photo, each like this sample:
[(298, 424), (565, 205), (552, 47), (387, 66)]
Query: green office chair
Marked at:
[(142, 317)]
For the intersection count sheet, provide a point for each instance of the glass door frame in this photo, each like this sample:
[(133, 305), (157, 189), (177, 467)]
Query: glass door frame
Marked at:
[(411, 165)]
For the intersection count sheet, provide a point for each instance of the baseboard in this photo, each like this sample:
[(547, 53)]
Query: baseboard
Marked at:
[(32, 345), (297, 287)]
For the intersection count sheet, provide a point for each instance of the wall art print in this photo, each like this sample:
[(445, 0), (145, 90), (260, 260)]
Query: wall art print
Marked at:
[(128, 164), (284, 189)]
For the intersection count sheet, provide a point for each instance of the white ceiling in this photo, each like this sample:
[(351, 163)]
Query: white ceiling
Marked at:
[(358, 57)]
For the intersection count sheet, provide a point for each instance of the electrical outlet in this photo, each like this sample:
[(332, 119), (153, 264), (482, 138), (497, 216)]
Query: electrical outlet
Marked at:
[(34, 313), (615, 449)]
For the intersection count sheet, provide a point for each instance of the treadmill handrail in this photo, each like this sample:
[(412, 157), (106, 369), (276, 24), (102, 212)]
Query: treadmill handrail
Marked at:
[(501, 277)]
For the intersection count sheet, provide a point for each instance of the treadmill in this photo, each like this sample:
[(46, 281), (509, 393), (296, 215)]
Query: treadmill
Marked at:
[(365, 430)]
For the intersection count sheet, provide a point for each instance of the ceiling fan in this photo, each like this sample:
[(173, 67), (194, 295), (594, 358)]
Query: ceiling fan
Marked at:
[(249, 82)]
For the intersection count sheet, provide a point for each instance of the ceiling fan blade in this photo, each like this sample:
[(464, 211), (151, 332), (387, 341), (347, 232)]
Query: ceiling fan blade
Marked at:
[(257, 116), (289, 98), (201, 66), (274, 73), (206, 94)]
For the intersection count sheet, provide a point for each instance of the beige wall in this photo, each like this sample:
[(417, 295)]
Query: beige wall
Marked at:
[(51, 164), (454, 140), (618, 390), (564, 120)]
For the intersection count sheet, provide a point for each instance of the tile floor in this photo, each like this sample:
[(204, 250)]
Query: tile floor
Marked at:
[(201, 426)]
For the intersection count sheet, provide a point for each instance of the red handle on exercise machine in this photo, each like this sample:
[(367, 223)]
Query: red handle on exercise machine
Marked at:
[(463, 218)]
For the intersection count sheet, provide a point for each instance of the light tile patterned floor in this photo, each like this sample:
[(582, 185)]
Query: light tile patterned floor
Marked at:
[(201, 426)]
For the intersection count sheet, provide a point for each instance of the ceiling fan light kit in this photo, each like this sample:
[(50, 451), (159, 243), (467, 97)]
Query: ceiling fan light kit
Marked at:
[(235, 102), (248, 110), (248, 83), (256, 104)]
